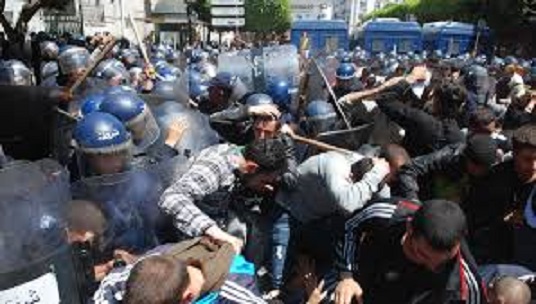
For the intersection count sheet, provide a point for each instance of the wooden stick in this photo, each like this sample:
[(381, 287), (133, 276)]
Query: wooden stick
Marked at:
[(316, 143), (92, 66), (138, 38)]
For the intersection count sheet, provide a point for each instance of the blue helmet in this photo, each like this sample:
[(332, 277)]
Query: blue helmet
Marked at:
[(345, 71), (126, 107), (278, 89), (256, 99), (510, 60), (91, 103), (137, 117), (110, 69), (320, 117), (101, 133)]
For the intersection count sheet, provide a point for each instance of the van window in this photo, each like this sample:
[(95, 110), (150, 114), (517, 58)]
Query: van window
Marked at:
[(378, 45)]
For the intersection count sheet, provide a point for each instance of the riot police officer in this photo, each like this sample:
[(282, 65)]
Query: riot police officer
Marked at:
[(14, 72)]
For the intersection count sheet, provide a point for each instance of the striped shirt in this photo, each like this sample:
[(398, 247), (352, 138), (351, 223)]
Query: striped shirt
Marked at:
[(202, 195)]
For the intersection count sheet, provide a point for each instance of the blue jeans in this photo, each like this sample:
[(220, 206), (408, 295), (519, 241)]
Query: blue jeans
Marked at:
[(279, 234)]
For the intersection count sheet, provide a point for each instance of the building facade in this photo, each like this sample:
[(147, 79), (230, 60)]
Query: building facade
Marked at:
[(312, 9), (353, 11)]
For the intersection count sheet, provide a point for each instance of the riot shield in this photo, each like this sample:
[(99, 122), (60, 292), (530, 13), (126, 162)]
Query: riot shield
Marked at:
[(351, 139), (242, 65), (281, 62), (129, 201), (36, 264), (198, 135)]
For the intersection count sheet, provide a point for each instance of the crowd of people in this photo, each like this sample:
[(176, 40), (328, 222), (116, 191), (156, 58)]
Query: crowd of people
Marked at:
[(188, 187)]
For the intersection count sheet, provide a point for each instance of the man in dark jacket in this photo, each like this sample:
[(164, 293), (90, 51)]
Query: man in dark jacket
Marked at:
[(407, 253), (500, 208), (445, 173), (424, 133)]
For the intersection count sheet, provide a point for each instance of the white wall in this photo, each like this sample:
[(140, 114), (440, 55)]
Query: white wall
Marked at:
[(312, 9)]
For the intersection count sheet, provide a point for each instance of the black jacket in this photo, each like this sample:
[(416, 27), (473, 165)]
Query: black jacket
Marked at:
[(487, 205), (372, 252), (416, 179), (424, 132)]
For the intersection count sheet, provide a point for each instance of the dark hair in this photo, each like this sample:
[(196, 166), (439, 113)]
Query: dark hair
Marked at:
[(361, 167), (525, 137), (521, 102), (156, 280), (441, 223), (85, 216), (393, 151), (449, 96), (481, 118), (269, 154)]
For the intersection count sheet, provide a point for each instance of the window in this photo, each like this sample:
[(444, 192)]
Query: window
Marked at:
[(405, 45), (378, 45), (453, 47), (332, 44)]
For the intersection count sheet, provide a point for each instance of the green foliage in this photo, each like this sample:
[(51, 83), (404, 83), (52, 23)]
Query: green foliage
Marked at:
[(506, 17), (267, 15), (202, 7)]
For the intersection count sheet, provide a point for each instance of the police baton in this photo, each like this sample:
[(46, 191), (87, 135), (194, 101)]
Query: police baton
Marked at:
[(92, 66), (333, 96)]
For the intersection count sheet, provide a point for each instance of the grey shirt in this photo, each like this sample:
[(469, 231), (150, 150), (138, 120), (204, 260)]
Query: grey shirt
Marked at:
[(325, 188)]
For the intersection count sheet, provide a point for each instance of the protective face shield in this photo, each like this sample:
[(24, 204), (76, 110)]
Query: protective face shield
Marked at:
[(50, 69), (14, 72), (191, 86), (137, 117), (35, 259), (129, 57), (129, 200), (49, 50), (136, 75), (113, 72), (320, 117), (73, 60), (165, 90), (225, 89), (119, 90), (103, 145), (207, 70), (199, 134)]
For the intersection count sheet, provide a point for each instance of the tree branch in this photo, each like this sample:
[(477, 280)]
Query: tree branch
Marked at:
[(2, 6), (8, 28), (27, 13)]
